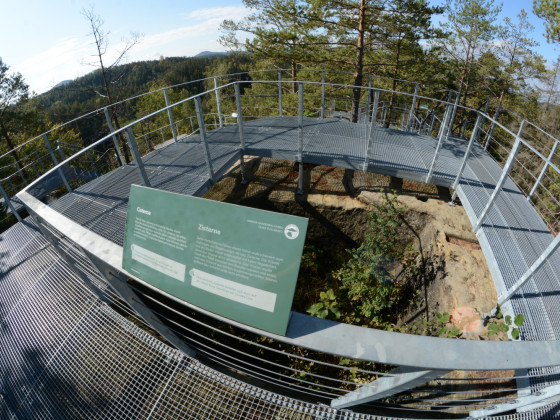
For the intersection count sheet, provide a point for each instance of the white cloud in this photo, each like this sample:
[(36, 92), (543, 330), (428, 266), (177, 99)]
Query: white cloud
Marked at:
[(65, 59), (59, 62)]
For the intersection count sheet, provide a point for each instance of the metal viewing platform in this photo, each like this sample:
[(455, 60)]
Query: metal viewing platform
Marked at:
[(76, 339)]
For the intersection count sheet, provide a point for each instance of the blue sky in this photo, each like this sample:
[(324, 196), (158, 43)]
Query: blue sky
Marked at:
[(48, 42)]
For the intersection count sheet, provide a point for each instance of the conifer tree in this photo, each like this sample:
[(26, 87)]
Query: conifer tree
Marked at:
[(471, 24), (280, 31), (13, 91), (549, 11)]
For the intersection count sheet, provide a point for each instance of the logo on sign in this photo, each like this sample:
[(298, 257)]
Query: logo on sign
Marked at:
[(291, 231)]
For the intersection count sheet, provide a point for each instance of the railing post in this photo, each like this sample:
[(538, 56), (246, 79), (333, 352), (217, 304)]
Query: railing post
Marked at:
[(136, 155), (457, 98), (40, 160), (444, 118), (368, 97), (9, 203), (441, 127), (34, 167), (369, 140), (170, 115), (432, 122), (403, 379), (464, 128), (60, 151), (218, 102), (543, 171), (300, 138), (411, 115), (53, 157), (474, 135), (204, 140), (504, 297), (280, 93), (20, 172), (115, 141), (384, 122), (323, 78), (403, 118), (444, 133), (239, 116), (492, 126), (505, 172)]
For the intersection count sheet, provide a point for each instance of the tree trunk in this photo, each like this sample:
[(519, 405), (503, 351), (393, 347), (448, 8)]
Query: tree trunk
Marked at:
[(358, 76), (121, 137)]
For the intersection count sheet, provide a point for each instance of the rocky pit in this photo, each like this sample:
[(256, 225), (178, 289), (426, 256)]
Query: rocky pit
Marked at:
[(337, 203)]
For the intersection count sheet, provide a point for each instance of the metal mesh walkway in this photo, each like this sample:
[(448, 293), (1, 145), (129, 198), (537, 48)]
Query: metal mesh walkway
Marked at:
[(69, 354)]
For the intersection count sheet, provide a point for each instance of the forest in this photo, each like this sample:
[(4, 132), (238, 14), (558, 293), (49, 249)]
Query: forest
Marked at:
[(462, 46)]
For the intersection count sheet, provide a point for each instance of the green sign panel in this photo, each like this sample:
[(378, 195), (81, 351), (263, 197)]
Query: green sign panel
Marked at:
[(238, 262)]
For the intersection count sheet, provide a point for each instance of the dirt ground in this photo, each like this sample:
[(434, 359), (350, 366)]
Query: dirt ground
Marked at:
[(337, 203)]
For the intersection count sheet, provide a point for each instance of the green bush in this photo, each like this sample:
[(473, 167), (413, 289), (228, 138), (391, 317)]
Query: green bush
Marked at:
[(366, 290)]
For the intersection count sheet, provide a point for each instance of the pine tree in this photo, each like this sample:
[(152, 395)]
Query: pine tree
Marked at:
[(549, 11), (281, 32), (13, 92), (471, 24)]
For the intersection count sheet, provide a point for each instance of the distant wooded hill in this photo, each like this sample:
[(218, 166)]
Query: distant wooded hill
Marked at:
[(86, 93)]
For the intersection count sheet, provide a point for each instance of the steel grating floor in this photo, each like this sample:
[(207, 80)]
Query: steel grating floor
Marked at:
[(52, 363), (67, 354)]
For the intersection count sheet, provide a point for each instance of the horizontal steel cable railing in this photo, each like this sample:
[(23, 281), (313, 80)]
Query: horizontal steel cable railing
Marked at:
[(385, 115)]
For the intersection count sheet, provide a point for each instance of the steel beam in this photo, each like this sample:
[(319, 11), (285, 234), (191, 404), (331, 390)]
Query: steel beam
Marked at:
[(503, 178), (323, 77), (239, 116), (504, 297), (369, 139), (444, 133), (545, 396), (411, 115), (115, 141), (543, 171), (455, 107), (403, 379), (136, 154), (280, 93), (218, 102), (170, 115), (60, 151), (9, 203), (300, 137), (53, 157), (300, 122), (203, 139), (368, 97), (474, 135), (492, 126)]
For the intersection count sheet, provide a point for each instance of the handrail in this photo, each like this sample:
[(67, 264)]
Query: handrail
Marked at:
[(337, 338), (120, 130), (316, 334)]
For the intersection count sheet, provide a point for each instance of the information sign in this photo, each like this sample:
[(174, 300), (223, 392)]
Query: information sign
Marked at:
[(235, 261)]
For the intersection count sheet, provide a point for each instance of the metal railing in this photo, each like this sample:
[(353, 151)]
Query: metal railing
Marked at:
[(312, 341)]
